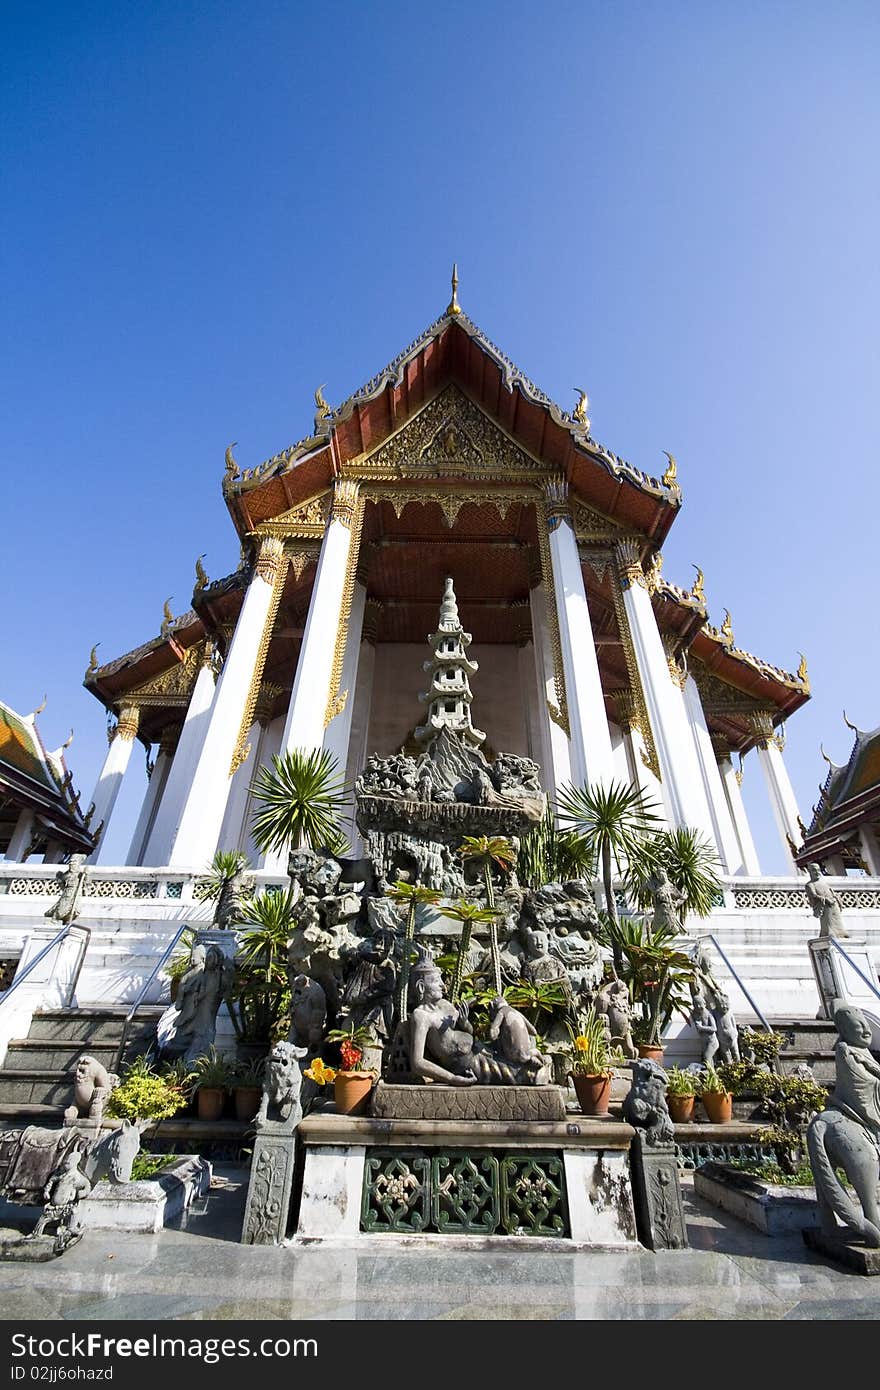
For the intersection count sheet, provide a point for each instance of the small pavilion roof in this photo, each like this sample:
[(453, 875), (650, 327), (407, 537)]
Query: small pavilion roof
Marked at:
[(33, 779), (848, 799)]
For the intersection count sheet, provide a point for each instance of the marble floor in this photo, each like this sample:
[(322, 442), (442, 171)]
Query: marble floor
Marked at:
[(200, 1272)]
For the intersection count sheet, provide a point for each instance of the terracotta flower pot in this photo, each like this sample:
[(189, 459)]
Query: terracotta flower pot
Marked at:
[(681, 1109), (210, 1101), (351, 1091), (650, 1050), (718, 1106), (592, 1093), (247, 1101)]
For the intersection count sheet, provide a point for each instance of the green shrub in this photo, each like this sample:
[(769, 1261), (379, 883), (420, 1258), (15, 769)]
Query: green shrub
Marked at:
[(144, 1094)]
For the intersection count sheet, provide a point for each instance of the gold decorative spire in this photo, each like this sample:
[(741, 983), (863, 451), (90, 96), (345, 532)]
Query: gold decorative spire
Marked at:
[(454, 307), (323, 409), (698, 591), (802, 670), (232, 469), (167, 617), (93, 661), (42, 705), (654, 572), (671, 474), (580, 411), (727, 626), (201, 576)]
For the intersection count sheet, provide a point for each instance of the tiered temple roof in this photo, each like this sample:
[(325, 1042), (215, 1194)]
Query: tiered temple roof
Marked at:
[(849, 800), (32, 779)]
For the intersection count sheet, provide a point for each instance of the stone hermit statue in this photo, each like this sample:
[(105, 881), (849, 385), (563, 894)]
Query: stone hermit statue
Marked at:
[(847, 1135), (188, 1026), (613, 1001), (72, 882), (824, 904)]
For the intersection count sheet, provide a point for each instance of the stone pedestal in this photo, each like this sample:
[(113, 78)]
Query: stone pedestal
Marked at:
[(838, 978), (860, 1258), (268, 1199), (530, 1103), (657, 1195)]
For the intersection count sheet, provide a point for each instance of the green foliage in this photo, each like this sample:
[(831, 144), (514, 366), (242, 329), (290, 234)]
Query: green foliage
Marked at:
[(468, 914), (789, 1102), (740, 1077), (249, 1074), (410, 896), (764, 1047), (590, 1053), (300, 801), (213, 1070), (773, 1172), (144, 1094), (261, 993), (690, 862), (548, 854), (658, 975), (711, 1083), (180, 1074), (680, 1083), (224, 866)]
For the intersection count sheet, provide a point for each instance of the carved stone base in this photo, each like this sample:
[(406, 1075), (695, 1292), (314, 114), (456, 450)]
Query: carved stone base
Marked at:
[(35, 1249), (657, 1195), (860, 1258), (271, 1183), (434, 1102)]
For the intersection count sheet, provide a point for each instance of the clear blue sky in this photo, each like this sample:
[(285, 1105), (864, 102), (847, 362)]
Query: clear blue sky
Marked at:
[(209, 209)]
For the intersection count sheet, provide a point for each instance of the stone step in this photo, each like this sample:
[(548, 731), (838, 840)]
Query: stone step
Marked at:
[(17, 1116), (44, 1054), (92, 1025), (35, 1087)]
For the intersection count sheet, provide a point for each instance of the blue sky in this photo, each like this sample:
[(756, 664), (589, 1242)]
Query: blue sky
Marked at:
[(209, 209)]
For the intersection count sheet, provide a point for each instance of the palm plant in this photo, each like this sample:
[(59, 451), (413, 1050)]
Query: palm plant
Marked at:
[(410, 895), (613, 819), (260, 990), (468, 914), (548, 854), (223, 869), (690, 862), (488, 851), (300, 801), (658, 976)]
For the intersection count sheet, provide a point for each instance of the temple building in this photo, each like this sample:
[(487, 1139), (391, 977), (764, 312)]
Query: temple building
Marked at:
[(448, 462), (39, 809), (844, 833)]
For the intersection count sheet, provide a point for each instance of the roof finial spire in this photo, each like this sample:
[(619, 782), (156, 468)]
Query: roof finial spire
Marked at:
[(454, 306)]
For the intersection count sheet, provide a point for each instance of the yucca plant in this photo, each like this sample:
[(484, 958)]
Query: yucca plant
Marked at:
[(488, 852), (223, 869), (548, 854), (300, 800), (690, 862), (613, 819), (260, 991), (409, 895), (658, 976), (468, 914)]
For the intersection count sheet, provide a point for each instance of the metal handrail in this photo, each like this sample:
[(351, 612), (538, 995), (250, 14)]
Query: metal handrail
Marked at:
[(711, 937), (851, 963), (129, 1017), (57, 939)]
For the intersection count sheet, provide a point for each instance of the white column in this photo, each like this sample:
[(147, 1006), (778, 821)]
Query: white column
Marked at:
[(556, 753), (201, 815), (21, 837), (112, 773), (235, 830), (639, 773), (592, 760), (307, 716), (358, 743), (525, 660), (152, 797), (683, 793), (870, 850), (168, 811), (781, 792), (733, 793), (337, 737), (725, 834)]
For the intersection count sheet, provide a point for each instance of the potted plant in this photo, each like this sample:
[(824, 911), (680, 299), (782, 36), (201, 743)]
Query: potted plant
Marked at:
[(591, 1067), (658, 976), (214, 1075), (247, 1088), (717, 1100), (260, 994), (352, 1083), (681, 1093), (146, 1094)]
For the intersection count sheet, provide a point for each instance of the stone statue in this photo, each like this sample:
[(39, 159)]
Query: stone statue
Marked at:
[(644, 1106), (319, 947), (188, 1026), (227, 911), (514, 1033), (91, 1087), (823, 904), (614, 1002), (368, 994), (72, 883), (847, 1135), (667, 901), (441, 1043), (308, 1013), (281, 1088), (62, 1195), (706, 1029), (317, 873), (726, 1029)]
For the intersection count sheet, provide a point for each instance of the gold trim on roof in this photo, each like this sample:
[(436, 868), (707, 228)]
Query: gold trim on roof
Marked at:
[(279, 573), (641, 719)]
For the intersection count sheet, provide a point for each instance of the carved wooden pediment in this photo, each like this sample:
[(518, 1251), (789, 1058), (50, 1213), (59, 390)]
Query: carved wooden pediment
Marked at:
[(718, 697), (307, 519), (173, 687)]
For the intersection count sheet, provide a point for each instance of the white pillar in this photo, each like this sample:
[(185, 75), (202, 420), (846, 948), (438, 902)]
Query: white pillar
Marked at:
[(168, 811), (730, 780), (235, 830), (870, 850), (202, 811), (525, 660), (311, 708), (639, 772), (358, 742), (592, 760), (683, 792), (152, 797), (112, 773), (726, 842), (21, 837), (556, 753), (781, 792), (337, 737)]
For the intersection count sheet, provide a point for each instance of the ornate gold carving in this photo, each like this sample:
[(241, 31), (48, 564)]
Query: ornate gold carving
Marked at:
[(698, 591), (450, 503), (559, 711), (279, 571), (372, 619), (653, 576), (739, 771), (727, 628), (641, 720), (271, 560), (802, 672), (629, 566), (307, 520), (450, 437), (670, 477), (302, 555), (201, 576), (556, 508), (167, 617), (232, 472), (322, 409), (174, 686), (93, 662), (453, 308), (580, 411), (127, 723), (625, 709), (345, 499), (760, 721), (590, 525), (266, 696), (335, 700)]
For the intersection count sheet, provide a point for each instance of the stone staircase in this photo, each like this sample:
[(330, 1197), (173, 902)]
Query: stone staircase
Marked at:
[(36, 1080), (810, 1040)]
